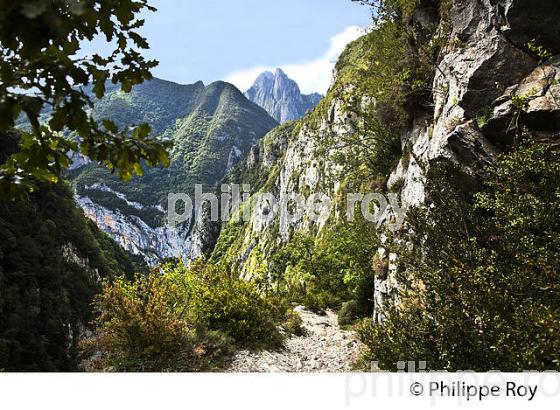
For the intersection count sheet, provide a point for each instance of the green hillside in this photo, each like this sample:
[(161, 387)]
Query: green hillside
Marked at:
[(209, 126)]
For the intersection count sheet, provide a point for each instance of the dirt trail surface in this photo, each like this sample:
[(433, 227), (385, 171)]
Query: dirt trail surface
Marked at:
[(324, 347)]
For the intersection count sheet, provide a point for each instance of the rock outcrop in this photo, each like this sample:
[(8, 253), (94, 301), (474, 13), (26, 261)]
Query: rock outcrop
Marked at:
[(281, 97), (486, 65), (135, 236)]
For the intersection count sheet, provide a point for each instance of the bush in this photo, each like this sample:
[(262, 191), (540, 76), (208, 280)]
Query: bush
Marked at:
[(141, 328), (480, 285), (231, 305), (319, 300), (322, 273), (349, 313), (177, 319), (293, 323)]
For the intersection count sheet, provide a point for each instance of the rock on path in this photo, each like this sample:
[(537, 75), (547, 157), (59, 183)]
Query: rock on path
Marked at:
[(324, 347)]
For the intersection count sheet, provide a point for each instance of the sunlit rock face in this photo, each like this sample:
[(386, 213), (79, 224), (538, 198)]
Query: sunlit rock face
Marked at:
[(281, 97), (481, 75), (134, 235)]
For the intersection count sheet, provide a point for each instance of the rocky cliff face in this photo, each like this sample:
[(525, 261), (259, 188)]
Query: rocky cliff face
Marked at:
[(487, 69), (281, 97), (496, 66), (288, 159), (134, 235)]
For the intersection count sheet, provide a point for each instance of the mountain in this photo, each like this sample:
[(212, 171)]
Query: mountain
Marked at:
[(468, 144), (427, 113), (212, 128), (281, 97)]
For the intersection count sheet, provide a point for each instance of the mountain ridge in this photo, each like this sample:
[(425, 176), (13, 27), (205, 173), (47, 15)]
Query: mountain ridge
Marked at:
[(212, 126)]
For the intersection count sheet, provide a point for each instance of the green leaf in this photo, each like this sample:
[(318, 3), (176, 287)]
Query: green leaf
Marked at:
[(100, 78), (126, 86), (107, 27), (32, 107), (122, 42), (110, 126), (59, 119), (139, 40), (44, 46), (143, 130)]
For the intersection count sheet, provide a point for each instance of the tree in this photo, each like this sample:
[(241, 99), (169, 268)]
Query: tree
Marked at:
[(45, 79)]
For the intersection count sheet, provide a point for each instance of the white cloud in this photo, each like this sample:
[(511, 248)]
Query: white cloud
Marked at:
[(311, 76)]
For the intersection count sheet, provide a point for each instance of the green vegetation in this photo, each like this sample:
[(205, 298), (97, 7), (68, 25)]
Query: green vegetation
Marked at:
[(50, 259), (42, 69), (321, 272), (179, 319), (224, 119), (45, 294), (293, 323), (477, 265), (235, 236), (271, 145), (349, 313), (158, 103), (520, 104), (539, 52), (184, 319), (484, 117), (384, 79), (205, 124), (481, 280)]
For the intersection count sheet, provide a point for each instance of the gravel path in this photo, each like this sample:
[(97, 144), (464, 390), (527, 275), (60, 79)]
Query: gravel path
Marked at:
[(323, 348)]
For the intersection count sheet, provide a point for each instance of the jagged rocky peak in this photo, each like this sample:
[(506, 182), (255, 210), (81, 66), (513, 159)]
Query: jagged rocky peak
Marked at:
[(281, 97)]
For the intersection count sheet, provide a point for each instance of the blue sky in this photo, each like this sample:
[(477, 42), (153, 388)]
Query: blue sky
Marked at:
[(212, 40)]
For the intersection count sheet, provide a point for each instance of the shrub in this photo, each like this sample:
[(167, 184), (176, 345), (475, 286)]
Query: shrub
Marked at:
[(231, 305), (324, 272), (540, 53), (319, 300), (349, 313), (484, 117), (293, 323), (141, 328), (177, 319), (480, 285)]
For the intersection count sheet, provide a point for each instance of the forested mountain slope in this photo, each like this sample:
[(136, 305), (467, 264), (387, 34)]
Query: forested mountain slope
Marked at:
[(211, 128), (51, 262)]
